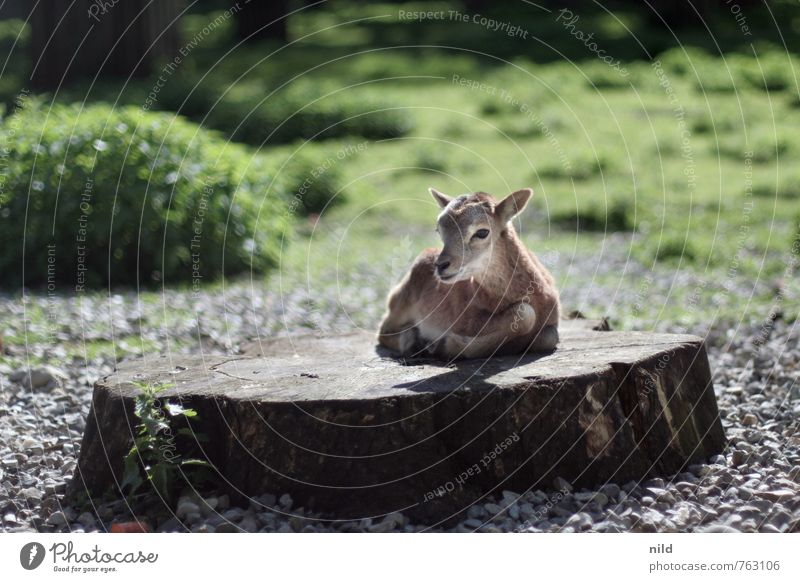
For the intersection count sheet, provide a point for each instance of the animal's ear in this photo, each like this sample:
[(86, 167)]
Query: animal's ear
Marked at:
[(441, 199), (513, 204)]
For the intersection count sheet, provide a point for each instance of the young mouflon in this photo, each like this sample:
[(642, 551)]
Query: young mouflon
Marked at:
[(483, 294)]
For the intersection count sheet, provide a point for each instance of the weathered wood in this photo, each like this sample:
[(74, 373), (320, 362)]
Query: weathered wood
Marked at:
[(347, 430)]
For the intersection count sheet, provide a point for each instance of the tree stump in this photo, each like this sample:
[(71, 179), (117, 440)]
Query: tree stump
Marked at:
[(351, 432)]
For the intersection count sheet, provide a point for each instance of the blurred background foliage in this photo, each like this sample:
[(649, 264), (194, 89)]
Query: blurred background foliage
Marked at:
[(322, 131)]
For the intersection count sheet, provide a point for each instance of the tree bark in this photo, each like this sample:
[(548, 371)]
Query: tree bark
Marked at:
[(91, 38), (259, 20), (350, 432)]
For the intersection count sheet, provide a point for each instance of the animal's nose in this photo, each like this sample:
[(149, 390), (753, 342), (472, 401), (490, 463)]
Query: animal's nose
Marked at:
[(441, 265)]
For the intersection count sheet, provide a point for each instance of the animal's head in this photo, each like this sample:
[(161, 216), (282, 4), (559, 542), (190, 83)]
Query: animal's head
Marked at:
[(470, 226)]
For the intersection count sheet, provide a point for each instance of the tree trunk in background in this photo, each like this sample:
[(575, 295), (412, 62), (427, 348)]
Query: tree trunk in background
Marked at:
[(91, 37), (14, 9), (681, 14), (253, 20)]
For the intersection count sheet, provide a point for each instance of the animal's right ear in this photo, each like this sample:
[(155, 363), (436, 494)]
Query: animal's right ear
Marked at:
[(441, 199), (513, 204)]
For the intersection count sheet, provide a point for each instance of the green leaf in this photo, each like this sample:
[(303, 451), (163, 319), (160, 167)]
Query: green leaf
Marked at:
[(177, 410), (131, 474), (161, 478), (199, 437), (194, 463)]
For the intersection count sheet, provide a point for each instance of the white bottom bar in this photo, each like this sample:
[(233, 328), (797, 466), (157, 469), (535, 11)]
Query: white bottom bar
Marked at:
[(389, 557)]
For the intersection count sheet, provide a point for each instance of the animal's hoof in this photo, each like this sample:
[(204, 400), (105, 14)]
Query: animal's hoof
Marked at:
[(546, 339), (410, 343)]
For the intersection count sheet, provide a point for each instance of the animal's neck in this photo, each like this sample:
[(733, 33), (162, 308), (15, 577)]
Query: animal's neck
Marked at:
[(509, 275)]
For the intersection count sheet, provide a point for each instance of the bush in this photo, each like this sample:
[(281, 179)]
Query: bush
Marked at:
[(714, 77), (616, 214), (583, 165), (314, 177), (431, 158), (600, 75), (297, 115), (14, 37), (773, 71), (765, 143), (684, 61), (120, 196), (297, 112), (770, 186), (674, 246), (716, 118)]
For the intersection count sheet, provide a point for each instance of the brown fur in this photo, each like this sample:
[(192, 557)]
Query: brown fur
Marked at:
[(499, 298)]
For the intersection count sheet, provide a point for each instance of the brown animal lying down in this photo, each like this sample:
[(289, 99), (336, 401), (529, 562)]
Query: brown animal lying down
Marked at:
[(483, 294)]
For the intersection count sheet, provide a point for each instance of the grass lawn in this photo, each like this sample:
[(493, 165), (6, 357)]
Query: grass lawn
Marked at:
[(667, 195)]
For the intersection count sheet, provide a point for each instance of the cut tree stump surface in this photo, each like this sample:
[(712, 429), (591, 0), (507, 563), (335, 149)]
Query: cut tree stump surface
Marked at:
[(351, 432)]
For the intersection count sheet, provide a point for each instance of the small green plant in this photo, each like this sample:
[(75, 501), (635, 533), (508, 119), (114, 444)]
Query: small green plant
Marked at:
[(154, 456)]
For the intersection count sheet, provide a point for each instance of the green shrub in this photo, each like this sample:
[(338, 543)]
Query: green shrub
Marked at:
[(714, 77), (187, 95), (407, 63), (765, 143), (674, 246), (600, 75), (683, 61), (105, 195), (706, 73), (493, 107), (582, 165), (723, 120), (606, 216), (14, 37), (787, 186), (297, 112), (773, 71), (301, 114), (314, 177), (431, 157), (455, 129)]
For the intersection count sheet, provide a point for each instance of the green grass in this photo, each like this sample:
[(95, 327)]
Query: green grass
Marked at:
[(604, 154), (614, 161)]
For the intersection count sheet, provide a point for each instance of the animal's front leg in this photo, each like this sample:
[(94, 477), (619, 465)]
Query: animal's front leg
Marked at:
[(517, 320), (405, 340), (546, 339)]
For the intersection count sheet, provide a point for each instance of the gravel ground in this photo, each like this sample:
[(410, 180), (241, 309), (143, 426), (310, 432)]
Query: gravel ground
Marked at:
[(754, 486)]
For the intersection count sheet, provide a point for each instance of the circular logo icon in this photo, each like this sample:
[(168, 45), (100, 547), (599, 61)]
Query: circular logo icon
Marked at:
[(31, 555)]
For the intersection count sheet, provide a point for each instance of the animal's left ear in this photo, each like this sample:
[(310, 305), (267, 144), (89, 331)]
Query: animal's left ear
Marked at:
[(513, 204), (441, 199)]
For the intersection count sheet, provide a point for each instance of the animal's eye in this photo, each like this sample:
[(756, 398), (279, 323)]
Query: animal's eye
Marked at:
[(482, 233)]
